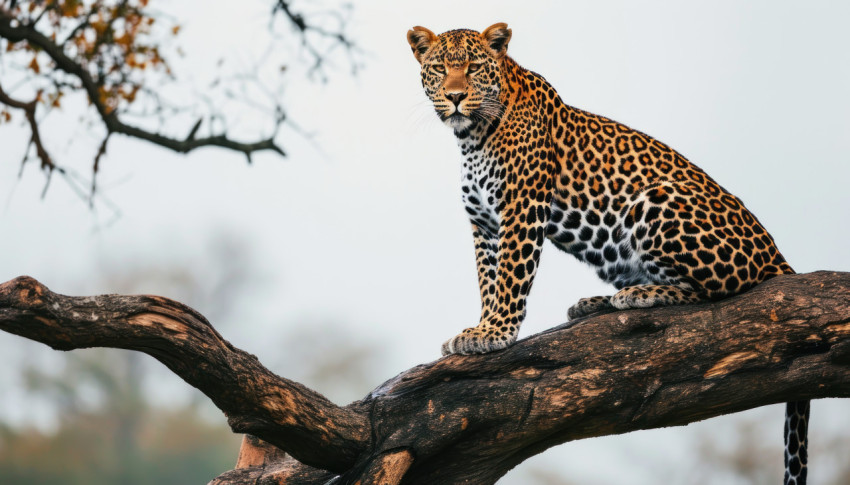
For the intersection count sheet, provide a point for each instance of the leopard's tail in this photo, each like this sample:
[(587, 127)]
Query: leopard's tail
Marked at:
[(796, 434), (796, 442)]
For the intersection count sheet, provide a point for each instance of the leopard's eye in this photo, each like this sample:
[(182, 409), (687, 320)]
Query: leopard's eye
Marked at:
[(472, 68), (439, 68)]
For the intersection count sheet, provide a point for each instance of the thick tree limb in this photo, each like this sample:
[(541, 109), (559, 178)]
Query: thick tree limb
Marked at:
[(474, 418), (254, 399)]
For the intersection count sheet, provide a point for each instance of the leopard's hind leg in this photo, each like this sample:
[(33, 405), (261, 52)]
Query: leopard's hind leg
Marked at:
[(646, 296), (639, 296), (586, 306)]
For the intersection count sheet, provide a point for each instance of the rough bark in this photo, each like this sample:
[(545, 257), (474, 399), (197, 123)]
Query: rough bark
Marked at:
[(255, 400), (474, 418)]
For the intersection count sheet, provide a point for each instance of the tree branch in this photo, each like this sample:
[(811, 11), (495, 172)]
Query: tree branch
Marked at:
[(113, 124), (473, 418), (255, 400)]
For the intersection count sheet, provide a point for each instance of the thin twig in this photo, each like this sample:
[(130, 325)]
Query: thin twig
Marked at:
[(29, 112)]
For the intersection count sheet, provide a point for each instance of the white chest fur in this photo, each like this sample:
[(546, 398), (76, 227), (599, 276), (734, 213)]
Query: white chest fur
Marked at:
[(482, 187)]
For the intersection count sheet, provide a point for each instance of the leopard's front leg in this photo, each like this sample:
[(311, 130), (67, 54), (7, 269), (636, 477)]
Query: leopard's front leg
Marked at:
[(506, 268), (487, 264)]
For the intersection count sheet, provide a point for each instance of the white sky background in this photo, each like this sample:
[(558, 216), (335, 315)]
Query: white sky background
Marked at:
[(368, 229)]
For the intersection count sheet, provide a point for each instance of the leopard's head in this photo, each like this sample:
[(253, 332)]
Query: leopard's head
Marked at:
[(462, 73)]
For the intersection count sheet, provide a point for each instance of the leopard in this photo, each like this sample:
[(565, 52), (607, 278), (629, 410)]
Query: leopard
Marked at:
[(650, 222)]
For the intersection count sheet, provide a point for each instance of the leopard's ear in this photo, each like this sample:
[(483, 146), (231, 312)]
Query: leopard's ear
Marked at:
[(420, 39), (496, 37)]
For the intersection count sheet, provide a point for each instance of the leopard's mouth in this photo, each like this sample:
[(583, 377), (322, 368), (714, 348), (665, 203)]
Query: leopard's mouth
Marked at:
[(450, 113)]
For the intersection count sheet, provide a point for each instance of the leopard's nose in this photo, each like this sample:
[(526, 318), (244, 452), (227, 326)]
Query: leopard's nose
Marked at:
[(456, 98)]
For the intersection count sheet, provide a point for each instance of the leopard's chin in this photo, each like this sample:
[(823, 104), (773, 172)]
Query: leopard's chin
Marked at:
[(459, 123)]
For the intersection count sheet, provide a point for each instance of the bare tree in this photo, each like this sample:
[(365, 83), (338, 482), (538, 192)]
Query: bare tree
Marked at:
[(472, 418), (113, 52)]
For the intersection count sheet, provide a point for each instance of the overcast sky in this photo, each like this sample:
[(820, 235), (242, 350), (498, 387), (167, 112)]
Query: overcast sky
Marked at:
[(363, 223)]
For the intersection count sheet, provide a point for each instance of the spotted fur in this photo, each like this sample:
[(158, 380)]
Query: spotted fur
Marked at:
[(649, 221)]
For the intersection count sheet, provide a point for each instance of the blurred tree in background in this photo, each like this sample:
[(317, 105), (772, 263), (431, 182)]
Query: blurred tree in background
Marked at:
[(124, 439), (120, 56)]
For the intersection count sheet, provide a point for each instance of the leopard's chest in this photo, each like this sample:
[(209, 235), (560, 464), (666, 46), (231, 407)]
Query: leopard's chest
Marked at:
[(482, 190)]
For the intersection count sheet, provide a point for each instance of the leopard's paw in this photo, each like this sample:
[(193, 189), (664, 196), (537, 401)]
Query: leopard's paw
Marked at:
[(586, 306), (476, 341)]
